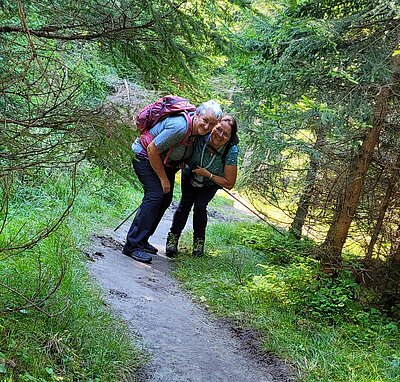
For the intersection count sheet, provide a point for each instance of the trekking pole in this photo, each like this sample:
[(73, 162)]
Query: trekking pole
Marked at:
[(126, 218), (254, 212)]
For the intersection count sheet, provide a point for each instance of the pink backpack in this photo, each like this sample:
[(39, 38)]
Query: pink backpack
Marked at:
[(160, 109), (155, 112)]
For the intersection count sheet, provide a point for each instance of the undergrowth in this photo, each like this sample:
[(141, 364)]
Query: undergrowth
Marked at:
[(272, 283), (69, 335)]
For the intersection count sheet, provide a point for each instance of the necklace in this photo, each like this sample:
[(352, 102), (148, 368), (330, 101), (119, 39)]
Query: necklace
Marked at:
[(204, 150)]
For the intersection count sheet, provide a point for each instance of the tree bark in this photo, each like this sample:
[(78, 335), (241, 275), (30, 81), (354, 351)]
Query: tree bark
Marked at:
[(382, 212), (332, 247), (395, 249), (305, 199)]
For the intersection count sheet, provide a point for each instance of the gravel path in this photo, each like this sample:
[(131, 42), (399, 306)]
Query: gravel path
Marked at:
[(185, 342)]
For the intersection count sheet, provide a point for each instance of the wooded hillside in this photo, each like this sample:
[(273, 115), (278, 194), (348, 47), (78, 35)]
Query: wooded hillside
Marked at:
[(313, 83)]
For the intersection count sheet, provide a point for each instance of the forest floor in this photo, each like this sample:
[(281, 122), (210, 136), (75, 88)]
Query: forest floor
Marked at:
[(184, 341)]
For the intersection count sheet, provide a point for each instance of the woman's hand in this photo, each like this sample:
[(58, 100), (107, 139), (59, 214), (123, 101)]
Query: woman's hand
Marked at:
[(166, 185), (227, 180), (201, 171)]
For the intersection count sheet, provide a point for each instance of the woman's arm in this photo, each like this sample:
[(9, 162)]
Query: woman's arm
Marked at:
[(226, 181), (156, 163)]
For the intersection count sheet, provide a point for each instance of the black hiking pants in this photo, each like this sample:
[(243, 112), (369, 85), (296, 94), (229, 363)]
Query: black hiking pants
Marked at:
[(199, 197), (153, 205)]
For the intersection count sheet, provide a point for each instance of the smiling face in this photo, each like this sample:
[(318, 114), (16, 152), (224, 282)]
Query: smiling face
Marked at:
[(220, 134), (203, 123)]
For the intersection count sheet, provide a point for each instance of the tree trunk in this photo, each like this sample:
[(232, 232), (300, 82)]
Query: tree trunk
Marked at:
[(390, 292), (332, 247), (305, 199), (382, 212), (395, 248)]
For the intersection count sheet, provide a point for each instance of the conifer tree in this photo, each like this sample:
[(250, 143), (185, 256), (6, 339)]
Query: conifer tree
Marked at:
[(340, 55), (57, 58)]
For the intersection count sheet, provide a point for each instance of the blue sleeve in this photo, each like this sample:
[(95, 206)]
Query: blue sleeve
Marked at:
[(172, 133), (232, 157)]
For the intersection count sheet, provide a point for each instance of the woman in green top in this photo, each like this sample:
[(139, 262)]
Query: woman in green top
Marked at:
[(212, 165)]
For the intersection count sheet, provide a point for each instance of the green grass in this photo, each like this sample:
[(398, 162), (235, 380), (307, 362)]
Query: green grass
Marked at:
[(71, 335), (261, 280), (251, 274)]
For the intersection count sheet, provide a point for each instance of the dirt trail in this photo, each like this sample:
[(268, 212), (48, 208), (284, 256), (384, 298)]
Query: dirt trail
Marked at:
[(185, 342)]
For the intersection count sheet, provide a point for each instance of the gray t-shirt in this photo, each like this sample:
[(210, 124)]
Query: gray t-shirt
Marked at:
[(168, 133)]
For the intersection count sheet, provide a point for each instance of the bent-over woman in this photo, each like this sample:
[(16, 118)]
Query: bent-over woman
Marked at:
[(212, 165)]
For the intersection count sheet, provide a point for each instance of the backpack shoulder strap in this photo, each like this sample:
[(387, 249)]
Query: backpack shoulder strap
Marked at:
[(186, 139), (189, 122)]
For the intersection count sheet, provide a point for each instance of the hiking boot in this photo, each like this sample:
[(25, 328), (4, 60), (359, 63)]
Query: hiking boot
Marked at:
[(198, 247), (138, 255), (150, 248), (171, 247)]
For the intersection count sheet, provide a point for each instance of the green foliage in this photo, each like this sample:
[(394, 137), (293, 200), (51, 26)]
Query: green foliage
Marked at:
[(66, 333), (331, 299), (309, 49), (310, 74), (54, 80), (271, 283), (279, 249)]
